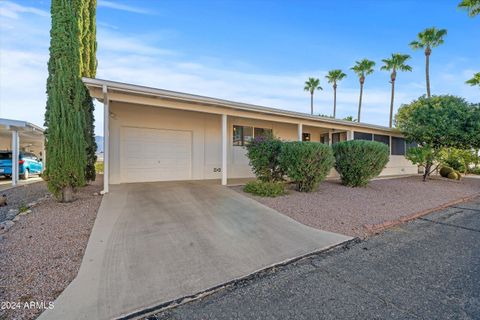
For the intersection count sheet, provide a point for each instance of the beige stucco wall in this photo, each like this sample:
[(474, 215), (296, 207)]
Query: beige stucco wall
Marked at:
[(206, 139)]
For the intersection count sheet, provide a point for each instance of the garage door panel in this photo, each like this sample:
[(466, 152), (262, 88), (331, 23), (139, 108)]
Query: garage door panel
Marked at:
[(155, 154)]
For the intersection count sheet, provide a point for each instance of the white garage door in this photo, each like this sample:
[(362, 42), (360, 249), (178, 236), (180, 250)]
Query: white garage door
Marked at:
[(155, 155)]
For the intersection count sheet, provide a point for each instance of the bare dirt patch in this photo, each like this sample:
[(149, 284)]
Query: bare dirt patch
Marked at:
[(346, 210), (41, 254)]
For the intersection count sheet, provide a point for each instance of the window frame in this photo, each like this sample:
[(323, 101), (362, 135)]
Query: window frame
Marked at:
[(242, 141)]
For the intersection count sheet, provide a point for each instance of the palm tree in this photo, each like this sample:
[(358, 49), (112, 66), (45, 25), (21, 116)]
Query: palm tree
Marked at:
[(396, 62), (311, 85), (472, 6), (334, 76), (475, 81), (362, 68), (428, 39)]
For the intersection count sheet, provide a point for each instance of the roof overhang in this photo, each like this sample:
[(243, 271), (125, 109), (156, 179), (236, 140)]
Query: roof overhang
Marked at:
[(96, 87)]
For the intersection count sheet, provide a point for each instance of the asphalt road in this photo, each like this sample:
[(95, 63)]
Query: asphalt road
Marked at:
[(426, 269)]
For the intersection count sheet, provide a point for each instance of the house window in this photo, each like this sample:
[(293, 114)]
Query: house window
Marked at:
[(305, 136), (398, 146), (362, 136), (324, 138), (339, 137), (243, 134), (382, 138)]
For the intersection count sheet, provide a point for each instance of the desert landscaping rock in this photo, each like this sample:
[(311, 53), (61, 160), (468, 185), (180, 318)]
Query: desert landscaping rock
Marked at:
[(21, 196), (334, 207), (6, 225), (41, 254)]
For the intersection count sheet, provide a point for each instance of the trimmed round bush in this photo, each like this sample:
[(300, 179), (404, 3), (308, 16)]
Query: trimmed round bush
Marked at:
[(445, 171), (306, 163), (264, 188), (358, 161), (453, 175), (263, 152)]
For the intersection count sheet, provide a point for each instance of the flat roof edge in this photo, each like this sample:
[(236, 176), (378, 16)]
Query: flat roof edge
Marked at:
[(168, 94)]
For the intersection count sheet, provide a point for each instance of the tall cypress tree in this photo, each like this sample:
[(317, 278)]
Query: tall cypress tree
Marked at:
[(64, 116), (86, 14)]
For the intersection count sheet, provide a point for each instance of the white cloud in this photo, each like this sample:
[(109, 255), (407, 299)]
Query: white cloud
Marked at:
[(12, 10), (141, 59), (122, 7)]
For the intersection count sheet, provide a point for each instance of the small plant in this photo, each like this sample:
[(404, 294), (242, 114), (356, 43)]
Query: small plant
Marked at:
[(99, 167), (306, 163), (263, 152), (445, 171), (358, 161), (23, 207), (265, 188), (453, 175)]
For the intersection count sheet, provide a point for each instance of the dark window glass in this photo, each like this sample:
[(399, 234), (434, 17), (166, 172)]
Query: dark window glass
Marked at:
[(243, 135), (5, 156), (362, 136), (336, 137), (305, 136), (324, 138), (382, 138), (398, 146), (262, 132), (237, 135)]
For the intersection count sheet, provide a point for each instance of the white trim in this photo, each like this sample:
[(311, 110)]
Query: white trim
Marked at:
[(106, 139), (179, 96), (224, 149)]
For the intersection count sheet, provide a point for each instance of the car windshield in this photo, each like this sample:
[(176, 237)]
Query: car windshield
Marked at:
[(5, 155)]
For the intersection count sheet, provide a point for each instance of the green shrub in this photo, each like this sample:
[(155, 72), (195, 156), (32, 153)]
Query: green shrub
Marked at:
[(263, 152), (306, 163), (445, 171), (264, 188), (99, 167), (453, 175), (474, 170), (358, 161)]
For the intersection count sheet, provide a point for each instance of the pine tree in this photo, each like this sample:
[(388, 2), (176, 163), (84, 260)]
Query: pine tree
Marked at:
[(64, 116)]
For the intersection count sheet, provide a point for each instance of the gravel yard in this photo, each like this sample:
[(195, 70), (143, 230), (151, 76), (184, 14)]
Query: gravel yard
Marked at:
[(345, 210), (22, 195), (41, 254)]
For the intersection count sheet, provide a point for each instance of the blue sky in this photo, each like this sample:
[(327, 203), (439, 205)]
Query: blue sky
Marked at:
[(259, 52)]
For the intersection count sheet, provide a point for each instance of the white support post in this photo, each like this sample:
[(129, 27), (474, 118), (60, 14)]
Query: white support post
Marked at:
[(390, 138), (224, 149), (300, 132), (15, 157), (106, 140), (330, 137)]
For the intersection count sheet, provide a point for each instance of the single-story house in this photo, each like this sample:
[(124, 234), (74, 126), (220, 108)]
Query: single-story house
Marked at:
[(17, 136), (159, 135)]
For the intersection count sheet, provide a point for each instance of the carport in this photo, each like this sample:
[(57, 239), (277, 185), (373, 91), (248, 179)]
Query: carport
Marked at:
[(16, 136)]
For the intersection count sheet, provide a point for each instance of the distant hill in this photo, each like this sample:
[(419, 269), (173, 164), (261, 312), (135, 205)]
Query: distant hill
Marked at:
[(99, 141)]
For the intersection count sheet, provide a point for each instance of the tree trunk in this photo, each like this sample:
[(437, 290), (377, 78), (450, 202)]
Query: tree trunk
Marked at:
[(360, 101), (427, 69), (67, 194), (391, 101), (334, 100), (428, 167), (311, 103)]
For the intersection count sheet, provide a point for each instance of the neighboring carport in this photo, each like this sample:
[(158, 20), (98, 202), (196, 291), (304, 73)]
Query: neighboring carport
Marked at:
[(16, 136), (153, 243)]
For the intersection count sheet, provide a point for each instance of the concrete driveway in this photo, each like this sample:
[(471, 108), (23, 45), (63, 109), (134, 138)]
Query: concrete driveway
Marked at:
[(157, 242)]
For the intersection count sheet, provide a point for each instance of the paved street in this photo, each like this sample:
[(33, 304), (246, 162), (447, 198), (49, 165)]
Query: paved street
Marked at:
[(427, 269)]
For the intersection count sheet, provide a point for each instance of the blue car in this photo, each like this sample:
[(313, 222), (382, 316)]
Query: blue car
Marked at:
[(28, 164)]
